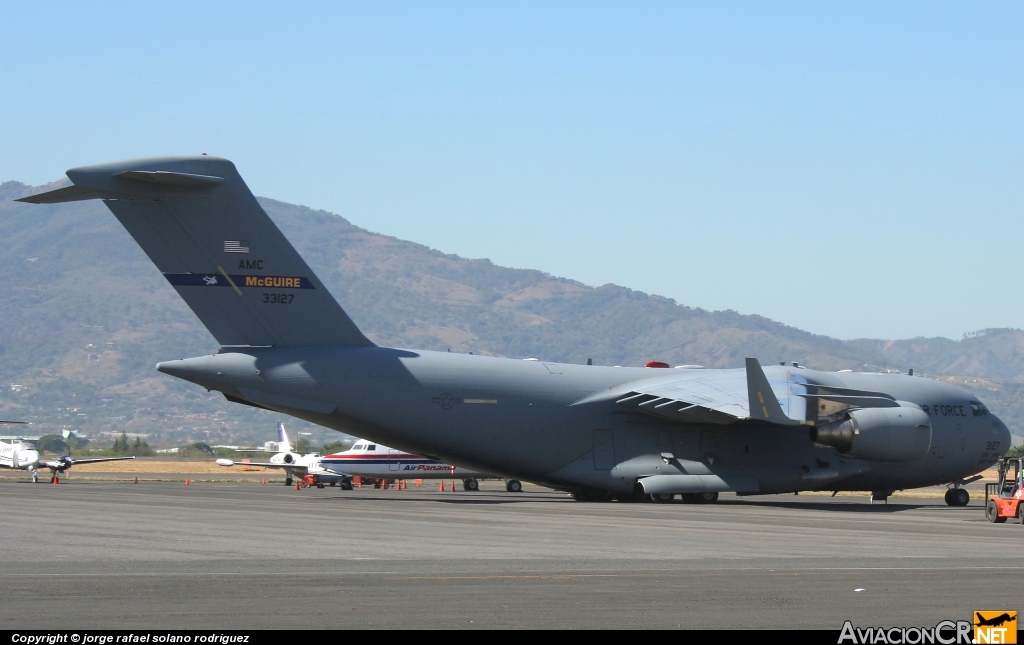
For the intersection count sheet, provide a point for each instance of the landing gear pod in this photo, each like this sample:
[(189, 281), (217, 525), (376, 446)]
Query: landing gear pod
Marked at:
[(879, 434)]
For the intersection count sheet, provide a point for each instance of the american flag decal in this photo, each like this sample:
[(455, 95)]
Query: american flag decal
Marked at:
[(236, 246)]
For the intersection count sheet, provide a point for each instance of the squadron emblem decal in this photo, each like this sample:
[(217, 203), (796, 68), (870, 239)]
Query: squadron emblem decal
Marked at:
[(446, 401)]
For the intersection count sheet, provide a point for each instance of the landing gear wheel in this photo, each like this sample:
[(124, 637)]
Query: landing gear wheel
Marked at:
[(35, 477), (288, 481), (514, 486), (333, 484), (321, 485), (992, 513), (959, 497), (707, 498), (948, 497), (470, 485), (346, 485), (689, 498), (663, 498)]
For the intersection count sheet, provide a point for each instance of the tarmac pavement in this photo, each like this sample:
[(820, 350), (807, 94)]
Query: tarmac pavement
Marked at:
[(162, 555)]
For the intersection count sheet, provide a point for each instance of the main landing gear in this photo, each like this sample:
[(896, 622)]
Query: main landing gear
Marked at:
[(957, 497), (513, 486), (288, 481), (699, 498), (470, 485)]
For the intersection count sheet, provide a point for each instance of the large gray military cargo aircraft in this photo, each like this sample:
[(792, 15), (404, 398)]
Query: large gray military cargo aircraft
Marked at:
[(599, 432)]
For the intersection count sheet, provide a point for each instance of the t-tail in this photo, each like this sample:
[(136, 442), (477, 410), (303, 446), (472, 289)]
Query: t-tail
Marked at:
[(204, 230)]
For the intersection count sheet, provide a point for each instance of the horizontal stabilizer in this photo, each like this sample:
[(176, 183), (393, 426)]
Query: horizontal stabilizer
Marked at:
[(66, 194)]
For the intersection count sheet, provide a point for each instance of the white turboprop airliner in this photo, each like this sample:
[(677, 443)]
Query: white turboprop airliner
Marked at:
[(23, 455), (294, 464), (367, 459), (20, 455)]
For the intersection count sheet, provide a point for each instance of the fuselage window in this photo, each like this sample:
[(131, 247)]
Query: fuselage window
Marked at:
[(978, 409), (372, 446)]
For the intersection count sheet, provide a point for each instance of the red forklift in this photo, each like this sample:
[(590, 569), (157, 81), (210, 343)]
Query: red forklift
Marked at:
[(1004, 498)]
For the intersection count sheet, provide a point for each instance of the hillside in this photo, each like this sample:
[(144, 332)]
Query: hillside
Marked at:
[(86, 316)]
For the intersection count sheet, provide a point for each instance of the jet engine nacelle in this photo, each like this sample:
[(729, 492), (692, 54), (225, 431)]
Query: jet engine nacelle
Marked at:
[(879, 434)]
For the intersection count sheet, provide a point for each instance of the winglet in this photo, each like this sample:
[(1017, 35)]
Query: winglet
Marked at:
[(763, 404)]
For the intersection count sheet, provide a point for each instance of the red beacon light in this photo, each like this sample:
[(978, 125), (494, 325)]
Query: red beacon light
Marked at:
[(656, 364)]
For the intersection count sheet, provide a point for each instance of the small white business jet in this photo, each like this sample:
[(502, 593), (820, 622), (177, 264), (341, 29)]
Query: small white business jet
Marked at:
[(294, 464)]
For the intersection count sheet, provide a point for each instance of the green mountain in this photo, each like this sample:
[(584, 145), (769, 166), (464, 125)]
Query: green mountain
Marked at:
[(85, 317)]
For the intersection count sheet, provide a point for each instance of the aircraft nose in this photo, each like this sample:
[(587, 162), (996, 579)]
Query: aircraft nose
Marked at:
[(1005, 440), (29, 457)]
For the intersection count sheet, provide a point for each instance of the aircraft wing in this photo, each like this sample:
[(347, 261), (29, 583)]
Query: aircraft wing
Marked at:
[(67, 462), (95, 460), (723, 397), (720, 397)]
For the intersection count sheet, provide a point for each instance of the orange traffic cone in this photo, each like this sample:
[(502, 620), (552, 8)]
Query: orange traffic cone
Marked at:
[(136, 480), (419, 482), (453, 486), (264, 480), (384, 484), (186, 481), (440, 488), (296, 485)]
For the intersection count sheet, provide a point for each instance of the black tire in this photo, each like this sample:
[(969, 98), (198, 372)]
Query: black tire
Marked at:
[(707, 498), (515, 486), (689, 498), (1020, 513), (346, 485), (288, 481), (949, 498), (662, 498), (333, 484), (470, 485), (992, 513), (960, 497)]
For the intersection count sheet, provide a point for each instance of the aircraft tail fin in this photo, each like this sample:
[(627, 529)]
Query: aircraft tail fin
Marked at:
[(204, 230), (283, 444)]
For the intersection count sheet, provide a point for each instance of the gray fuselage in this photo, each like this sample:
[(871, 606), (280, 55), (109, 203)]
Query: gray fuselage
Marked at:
[(522, 419)]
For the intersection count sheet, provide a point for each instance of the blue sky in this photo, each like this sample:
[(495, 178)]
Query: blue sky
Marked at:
[(853, 169)]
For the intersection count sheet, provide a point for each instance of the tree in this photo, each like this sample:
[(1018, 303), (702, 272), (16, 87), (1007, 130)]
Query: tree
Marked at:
[(302, 446), (141, 449), (335, 446), (121, 446), (52, 443)]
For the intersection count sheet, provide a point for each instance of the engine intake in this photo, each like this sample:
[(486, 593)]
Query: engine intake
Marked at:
[(879, 434)]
